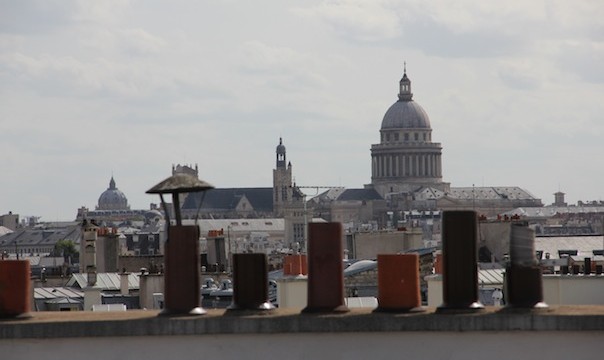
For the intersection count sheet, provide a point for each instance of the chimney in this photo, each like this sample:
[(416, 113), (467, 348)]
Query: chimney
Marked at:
[(460, 276), (438, 263), (398, 283), (587, 266), (15, 289), (124, 290), (250, 283), (523, 274), (295, 265), (325, 268), (182, 294)]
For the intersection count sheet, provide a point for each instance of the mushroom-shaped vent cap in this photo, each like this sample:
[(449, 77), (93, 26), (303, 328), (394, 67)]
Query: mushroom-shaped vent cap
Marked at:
[(180, 183)]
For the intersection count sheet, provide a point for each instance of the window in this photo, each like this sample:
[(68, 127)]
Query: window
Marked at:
[(396, 137), (406, 137), (416, 135)]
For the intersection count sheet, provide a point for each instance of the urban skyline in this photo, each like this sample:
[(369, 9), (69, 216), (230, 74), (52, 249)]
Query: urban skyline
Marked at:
[(127, 89)]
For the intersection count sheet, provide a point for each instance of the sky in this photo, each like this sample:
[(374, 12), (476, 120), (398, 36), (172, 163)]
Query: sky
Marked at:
[(94, 89)]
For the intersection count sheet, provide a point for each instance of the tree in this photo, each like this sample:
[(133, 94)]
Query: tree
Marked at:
[(66, 249)]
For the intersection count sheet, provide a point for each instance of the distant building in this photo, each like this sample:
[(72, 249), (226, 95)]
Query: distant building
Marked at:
[(283, 200), (39, 241), (9, 221), (559, 219), (559, 199), (112, 209), (145, 241), (406, 159), (112, 199), (406, 177)]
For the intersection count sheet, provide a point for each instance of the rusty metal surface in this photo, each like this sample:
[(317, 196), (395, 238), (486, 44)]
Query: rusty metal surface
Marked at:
[(325, 268), (180, 183), (460, 273), (250, 282), (525, 287), (182, 285)]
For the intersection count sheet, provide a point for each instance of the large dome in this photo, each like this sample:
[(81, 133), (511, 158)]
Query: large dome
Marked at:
[(406, 115), (112, 198)]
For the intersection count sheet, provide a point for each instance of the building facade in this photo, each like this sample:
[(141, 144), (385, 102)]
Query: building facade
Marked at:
[(406, 159)]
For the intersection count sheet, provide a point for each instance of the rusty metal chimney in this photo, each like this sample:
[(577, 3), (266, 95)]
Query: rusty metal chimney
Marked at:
[(250, 283), (15, 289), (398, 283), (182, 293), (460, 267), (325, 268), (587, 266), (523, 274)]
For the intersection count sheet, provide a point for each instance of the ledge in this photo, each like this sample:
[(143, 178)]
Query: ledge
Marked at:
[(287, 321)]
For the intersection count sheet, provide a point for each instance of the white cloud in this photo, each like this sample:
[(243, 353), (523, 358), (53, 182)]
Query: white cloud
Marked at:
[(140, 42), (512, 89), (362, 20)]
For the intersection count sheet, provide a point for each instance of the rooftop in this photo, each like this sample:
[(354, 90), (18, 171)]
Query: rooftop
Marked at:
[(147, 323)]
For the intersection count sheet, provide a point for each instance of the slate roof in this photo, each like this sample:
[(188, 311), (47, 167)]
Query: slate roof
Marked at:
[(105, 281), (584, 245), (359, 195), (491, 193), (5, 230), (238, 225), (490, 276), (42, 236), (227, 199), (549, 211), (57, 292)]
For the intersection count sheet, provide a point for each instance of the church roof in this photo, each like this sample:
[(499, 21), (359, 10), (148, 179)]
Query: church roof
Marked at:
[(491, 193), (112, 198), (29, 237), (359, 195), (261, 199), (405, 115)]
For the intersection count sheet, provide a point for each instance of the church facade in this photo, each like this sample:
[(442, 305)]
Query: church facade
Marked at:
[(407, 178), (406, 159), (283, 200)]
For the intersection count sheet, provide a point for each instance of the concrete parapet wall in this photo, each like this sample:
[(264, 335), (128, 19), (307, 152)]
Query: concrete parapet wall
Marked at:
[(388, 345), (284, 321), (359, 334)]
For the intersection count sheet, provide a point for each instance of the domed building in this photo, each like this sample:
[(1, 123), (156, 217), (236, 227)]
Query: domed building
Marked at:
[(112, 199), (406, 159)]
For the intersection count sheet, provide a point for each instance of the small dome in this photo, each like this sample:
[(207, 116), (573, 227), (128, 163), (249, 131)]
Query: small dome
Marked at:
[(280, 147), (406, 115), (112, 198)]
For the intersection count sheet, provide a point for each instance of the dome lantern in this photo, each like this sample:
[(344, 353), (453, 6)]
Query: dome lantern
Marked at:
[(405, 93)]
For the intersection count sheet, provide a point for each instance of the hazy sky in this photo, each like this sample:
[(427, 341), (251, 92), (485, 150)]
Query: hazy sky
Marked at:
[(514, 91)]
